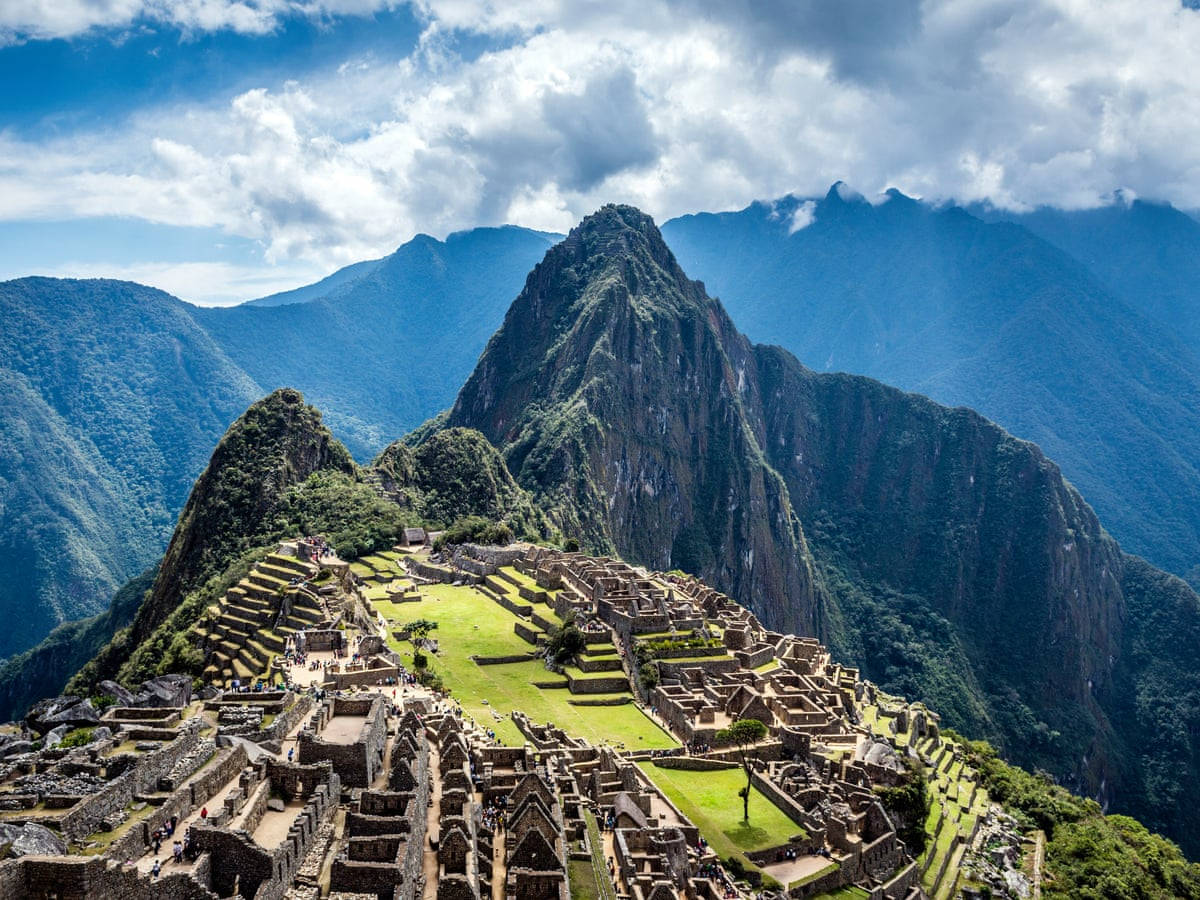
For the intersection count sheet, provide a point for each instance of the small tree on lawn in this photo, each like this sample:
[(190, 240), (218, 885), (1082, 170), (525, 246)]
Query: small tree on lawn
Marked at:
[(744, 734), (417, 632)]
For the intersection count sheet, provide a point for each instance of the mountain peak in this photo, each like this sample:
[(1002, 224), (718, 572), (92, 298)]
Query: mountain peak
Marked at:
[(620, 230)]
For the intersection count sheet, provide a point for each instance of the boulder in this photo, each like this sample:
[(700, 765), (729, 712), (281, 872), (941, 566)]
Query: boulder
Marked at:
[(880, 754), (30, 839), (124, 697), (15, 748), (275, 804), (165, 691), (55, 735), (67, 710)]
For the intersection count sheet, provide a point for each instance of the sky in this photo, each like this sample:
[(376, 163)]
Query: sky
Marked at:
[(227, 149)]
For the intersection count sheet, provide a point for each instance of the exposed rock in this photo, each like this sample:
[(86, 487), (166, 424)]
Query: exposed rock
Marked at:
[(878, 753), (124, 697), (275, 804), (55, 735), (68, 710), (165, 691), (30, 839)]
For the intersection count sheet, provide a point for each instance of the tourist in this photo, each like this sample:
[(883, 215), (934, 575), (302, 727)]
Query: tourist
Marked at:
[(203, 814), (157, 868)]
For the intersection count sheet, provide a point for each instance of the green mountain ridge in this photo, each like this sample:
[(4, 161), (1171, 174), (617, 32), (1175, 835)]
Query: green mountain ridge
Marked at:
[(923, 543), (114, 395), (1039, 336)]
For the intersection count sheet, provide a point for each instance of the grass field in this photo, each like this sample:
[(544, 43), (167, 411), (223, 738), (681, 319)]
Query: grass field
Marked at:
[(471, 624), (711, 801)]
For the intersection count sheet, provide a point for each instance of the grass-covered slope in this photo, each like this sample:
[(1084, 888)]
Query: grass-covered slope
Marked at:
[(113, 397)]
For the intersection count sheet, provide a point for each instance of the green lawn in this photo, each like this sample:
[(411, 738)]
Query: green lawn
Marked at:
[(711, 801), (470, 623)]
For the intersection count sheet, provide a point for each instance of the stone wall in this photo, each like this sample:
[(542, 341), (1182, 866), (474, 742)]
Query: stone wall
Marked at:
[(108, 805), (598, 685), (359, 762), (260, 874), (343, 680), (93, 878), (286, 720), (182, 802)]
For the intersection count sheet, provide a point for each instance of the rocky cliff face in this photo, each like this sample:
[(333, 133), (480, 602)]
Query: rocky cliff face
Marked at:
[(616, 390), (949, 559)]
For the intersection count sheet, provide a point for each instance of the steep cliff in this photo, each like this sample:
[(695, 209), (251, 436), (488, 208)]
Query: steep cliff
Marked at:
[(949, 559), (617, 391)]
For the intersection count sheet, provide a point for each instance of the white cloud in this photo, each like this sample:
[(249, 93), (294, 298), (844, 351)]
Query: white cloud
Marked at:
[(42, 19), (675, 107), (803, 216)]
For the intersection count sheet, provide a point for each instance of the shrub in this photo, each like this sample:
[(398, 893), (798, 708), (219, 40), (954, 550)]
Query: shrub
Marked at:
[(101, 702), (474, 530), (80, 737)]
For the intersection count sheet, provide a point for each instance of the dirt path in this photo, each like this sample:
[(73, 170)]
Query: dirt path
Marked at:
[(434, 815), (274, 827)]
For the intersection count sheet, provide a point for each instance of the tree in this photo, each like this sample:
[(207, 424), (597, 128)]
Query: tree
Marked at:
[(418, 631), (744, 734), (565, 643)]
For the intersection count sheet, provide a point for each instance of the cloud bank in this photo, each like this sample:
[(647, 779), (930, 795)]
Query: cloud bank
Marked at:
[(674, 106)]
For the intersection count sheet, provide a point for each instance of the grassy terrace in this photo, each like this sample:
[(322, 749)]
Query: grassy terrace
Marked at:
[(472, 624), (711, 801), (522, 578)]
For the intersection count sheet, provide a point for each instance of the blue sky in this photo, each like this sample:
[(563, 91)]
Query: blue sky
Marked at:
[(225, 149)]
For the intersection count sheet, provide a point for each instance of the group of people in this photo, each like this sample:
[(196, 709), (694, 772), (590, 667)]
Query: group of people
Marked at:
[(180, 850), (494, 816), (320, 547)]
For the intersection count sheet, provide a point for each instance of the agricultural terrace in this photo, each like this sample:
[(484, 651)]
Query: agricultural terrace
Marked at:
[(472, 624)]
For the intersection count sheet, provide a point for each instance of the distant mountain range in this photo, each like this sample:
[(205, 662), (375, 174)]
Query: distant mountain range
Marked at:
[(118, 391), (1082, 340)]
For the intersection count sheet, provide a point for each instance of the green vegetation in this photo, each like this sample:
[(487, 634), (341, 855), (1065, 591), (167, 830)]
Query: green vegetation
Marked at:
[(113, 399), (78, 737), (704, 798), (472, 624), (908, 806), (564, 643), (475, 530), (1088, 855)]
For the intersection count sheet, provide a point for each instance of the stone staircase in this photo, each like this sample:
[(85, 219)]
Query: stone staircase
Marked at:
[(249, 627)]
